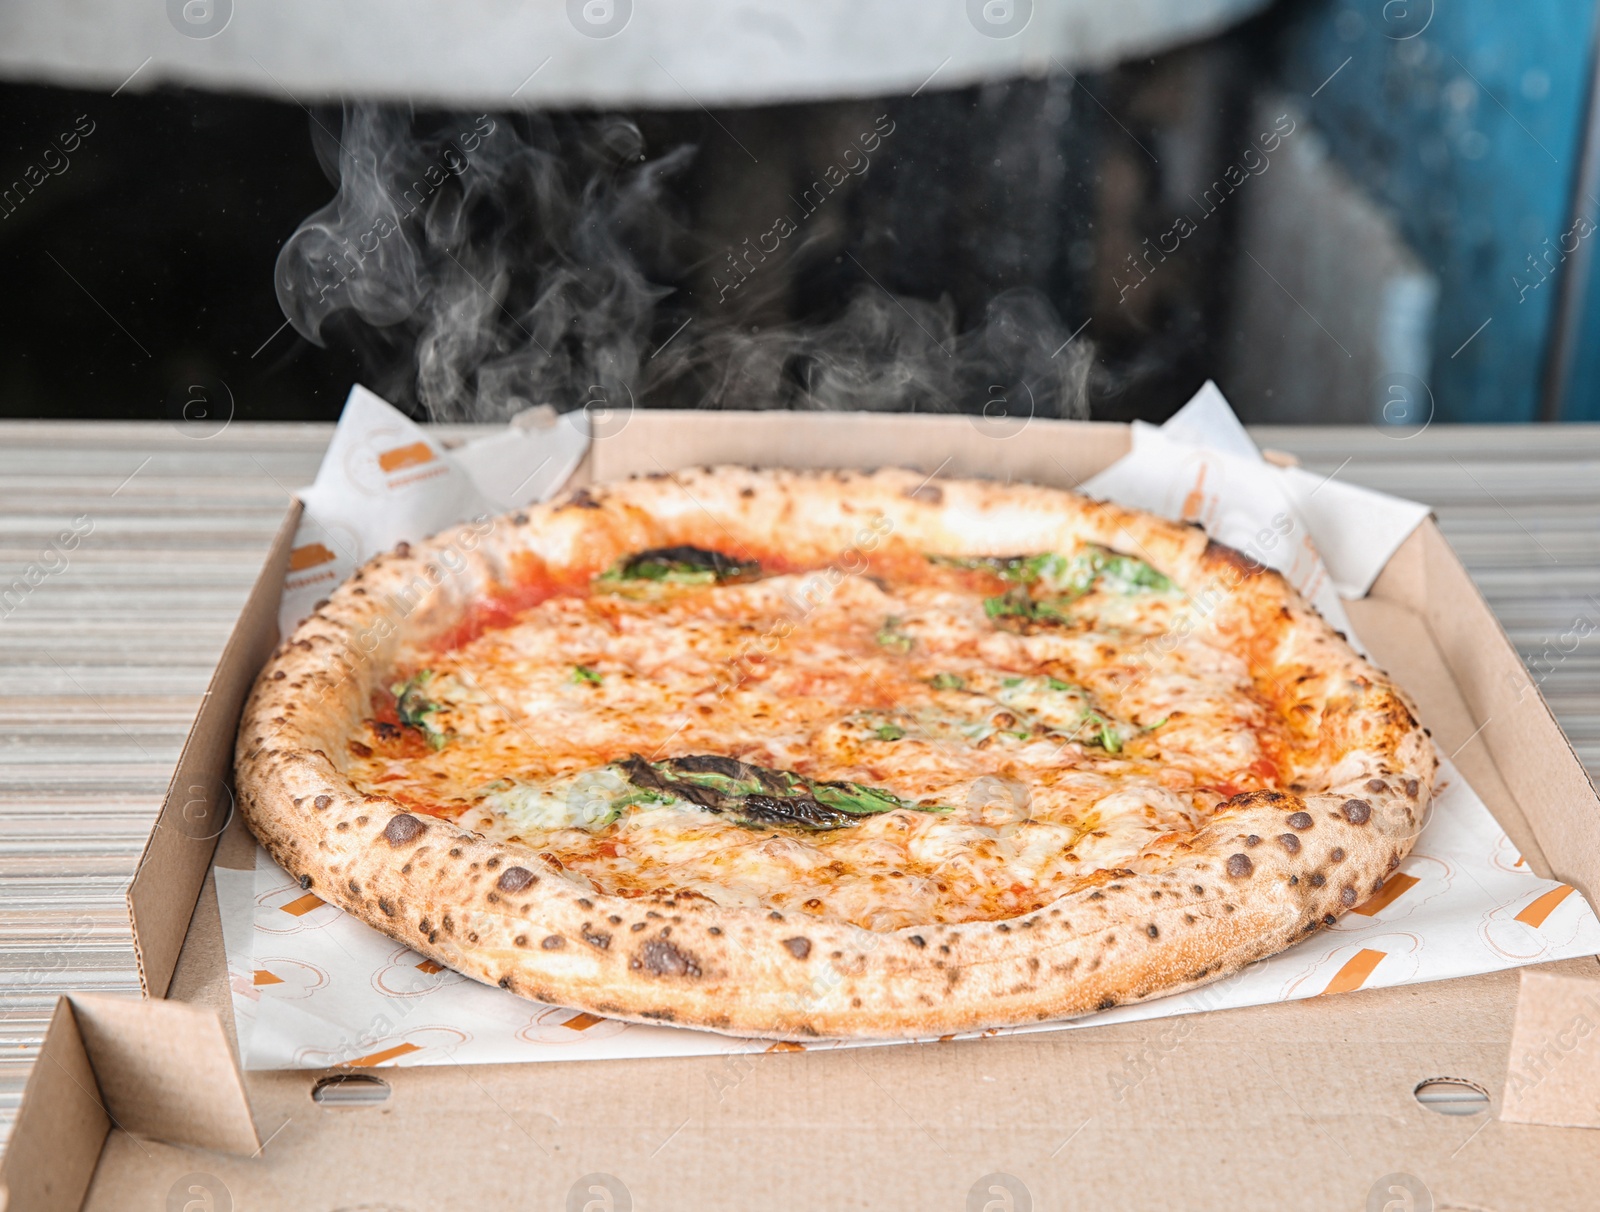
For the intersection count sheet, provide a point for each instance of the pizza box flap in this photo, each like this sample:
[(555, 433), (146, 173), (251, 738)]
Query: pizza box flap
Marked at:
[(1307, 1104)]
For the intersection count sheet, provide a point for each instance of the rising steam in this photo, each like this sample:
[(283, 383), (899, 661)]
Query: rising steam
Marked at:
[(495, 262)]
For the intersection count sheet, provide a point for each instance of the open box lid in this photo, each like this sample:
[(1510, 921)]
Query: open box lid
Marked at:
[(1304, 1104)]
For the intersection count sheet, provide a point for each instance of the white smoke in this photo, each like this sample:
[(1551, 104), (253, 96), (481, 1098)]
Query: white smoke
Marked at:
[(497, 262)]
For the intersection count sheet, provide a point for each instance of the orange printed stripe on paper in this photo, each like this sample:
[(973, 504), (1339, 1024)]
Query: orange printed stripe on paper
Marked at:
[(263, 977), (303, 905), (308, 556), (377, 1058), (1537, 910), (430, 967), (582, 1022), (1355, 971), (784, 1045), (414, 455), (1194, 503), (1393, 889)]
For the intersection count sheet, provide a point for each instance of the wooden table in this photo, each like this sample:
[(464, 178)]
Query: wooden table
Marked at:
[(104, 659)]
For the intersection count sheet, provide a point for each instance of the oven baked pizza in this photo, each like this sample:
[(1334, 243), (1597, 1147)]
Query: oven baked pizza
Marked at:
[(799, 754)]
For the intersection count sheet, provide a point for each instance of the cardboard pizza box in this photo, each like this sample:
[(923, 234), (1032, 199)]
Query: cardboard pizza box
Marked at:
[(1311, 1104)]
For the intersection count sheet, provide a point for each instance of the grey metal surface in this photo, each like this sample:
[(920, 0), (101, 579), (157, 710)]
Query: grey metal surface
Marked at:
[(670, 54), (103, 659)]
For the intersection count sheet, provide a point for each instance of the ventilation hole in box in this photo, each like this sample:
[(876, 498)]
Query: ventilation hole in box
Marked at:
[(350, 1090), (1452, 1096)]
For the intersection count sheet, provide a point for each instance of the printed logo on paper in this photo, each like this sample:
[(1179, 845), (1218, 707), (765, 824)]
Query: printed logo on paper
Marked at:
[(388, 459), (559, 1025), (408, 974), (1388, 958)]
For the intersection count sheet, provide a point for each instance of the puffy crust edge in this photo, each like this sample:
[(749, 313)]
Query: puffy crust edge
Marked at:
[(1185, 913)]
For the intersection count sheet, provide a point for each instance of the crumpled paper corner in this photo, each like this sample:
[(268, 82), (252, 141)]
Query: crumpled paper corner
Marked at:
[(385, 479), (1328, 538)]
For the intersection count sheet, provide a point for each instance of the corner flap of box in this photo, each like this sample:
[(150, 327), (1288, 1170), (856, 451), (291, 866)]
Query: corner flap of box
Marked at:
[(60, 1127), (199, 804), (1554, 1073), (166, 1071)]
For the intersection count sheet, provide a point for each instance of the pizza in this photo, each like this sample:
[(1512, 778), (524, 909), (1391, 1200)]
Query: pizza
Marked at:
[(819, 754)]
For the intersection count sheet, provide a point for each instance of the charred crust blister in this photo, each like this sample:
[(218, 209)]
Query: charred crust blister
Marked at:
[(402, 829), (515, 879), (661, 958), (1357, 812), (1239, 865), (800, 948), (1299, 820)]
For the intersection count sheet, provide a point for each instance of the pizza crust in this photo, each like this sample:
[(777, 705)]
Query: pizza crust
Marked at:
[(1268, 869)]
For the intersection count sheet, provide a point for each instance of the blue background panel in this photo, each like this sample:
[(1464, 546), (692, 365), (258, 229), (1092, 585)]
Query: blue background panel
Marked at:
[(1465, 118)]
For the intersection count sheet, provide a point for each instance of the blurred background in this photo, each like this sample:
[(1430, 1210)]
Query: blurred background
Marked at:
[(1341, 210)]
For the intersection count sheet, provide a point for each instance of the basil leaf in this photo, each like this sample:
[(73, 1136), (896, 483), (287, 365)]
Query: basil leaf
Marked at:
[(1022, 569), (682, 565), (416, 710), (756, 796), (891, 637), (583, 674), (1017, 608)]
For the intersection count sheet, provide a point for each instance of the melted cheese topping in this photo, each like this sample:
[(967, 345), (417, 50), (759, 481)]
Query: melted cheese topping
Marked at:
[(1029, 761)]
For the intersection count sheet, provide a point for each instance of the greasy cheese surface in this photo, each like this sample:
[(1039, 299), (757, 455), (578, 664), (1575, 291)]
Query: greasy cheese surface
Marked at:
[(1030, 760)]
